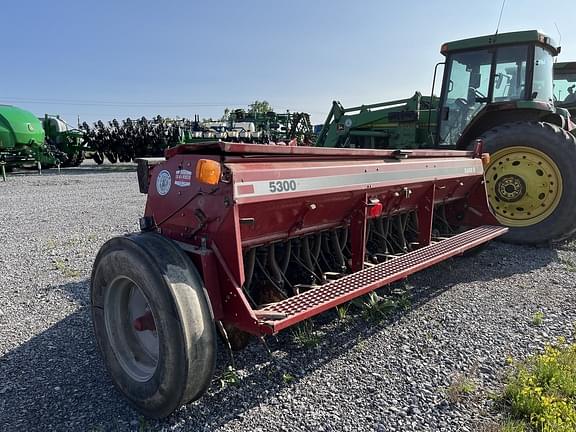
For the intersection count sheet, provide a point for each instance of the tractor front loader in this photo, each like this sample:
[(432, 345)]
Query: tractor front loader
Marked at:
[(498, 88), (252, 239)]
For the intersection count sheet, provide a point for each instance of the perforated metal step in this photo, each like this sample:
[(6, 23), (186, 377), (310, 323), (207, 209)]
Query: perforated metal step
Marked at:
[(283, 314)]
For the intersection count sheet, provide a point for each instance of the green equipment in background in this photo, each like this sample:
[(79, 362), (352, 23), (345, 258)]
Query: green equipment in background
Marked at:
[(565, 86), (45, 142), (22, 138), (69, 141)]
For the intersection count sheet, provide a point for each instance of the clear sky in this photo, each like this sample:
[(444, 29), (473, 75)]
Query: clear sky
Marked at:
[(104, 59)]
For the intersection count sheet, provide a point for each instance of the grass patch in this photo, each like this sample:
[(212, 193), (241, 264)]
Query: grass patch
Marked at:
[(569, 265), (142, 424), (513, 426), (342, 311), (541, 392), (65, 269), (377, 309), (404, 301), (230, 377), (460, 387), (91, 237), (74, 241), (503, 426), (51, 243), (538, 318), (287, 377), (360, 344), (305, 336)]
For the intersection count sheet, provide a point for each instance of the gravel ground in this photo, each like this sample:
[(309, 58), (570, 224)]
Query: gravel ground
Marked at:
[(466, 317)]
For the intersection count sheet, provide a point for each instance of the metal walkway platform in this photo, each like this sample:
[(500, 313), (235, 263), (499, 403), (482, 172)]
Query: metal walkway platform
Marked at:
[(318, 300)]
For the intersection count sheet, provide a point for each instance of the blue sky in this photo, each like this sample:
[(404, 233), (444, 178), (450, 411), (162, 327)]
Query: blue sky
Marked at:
[(105, 59)]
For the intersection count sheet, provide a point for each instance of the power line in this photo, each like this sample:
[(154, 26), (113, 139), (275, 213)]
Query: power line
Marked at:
[(8, 99), (111, 104)]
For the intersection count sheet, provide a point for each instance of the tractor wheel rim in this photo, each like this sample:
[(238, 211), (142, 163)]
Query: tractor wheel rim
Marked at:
[(524, 185), (136, 351)]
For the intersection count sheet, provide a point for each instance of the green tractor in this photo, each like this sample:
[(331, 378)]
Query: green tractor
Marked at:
[(498, 88), (69, 141), (565, 86)]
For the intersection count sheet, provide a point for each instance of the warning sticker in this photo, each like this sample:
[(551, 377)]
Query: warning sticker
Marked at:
[(183, 178), (163, 182)]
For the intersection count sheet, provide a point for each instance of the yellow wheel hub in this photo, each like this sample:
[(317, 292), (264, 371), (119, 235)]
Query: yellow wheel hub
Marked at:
[(524, 185)]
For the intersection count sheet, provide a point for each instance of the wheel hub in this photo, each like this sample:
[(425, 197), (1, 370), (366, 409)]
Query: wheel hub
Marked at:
[(524, 185), (510, 188), (131, 329)]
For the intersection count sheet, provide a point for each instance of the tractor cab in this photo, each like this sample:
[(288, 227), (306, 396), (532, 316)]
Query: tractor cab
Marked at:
[(565, 86), (492, 74)]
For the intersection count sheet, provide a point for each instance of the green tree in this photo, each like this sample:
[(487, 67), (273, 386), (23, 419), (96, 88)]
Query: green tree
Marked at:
[(261, 107)]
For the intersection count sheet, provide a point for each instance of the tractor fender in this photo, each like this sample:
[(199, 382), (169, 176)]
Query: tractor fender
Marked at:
[(488, 119)]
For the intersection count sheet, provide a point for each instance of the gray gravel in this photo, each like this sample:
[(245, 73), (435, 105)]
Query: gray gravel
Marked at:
[(467, 316)]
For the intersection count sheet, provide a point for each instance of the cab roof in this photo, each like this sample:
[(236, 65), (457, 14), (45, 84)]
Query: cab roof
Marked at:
[(527, 36), (565, 67)]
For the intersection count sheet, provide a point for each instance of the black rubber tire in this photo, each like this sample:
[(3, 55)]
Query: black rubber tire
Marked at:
[(68, 162), (560, 146), (112, 157), (183, 318), (74, 160), (98, 158), (79, 159)]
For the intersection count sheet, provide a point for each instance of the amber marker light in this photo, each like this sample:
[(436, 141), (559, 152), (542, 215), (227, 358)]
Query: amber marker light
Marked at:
[(208, 171), (485, 159)]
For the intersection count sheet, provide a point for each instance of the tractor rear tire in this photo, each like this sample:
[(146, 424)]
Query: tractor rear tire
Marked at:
[(531, 181), (170, 362)]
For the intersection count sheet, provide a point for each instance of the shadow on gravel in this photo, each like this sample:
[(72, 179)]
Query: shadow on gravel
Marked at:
[(57, 381), (78, 292)]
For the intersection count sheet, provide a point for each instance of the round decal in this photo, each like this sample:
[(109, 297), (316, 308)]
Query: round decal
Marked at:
[(163, 182), (348, 122)]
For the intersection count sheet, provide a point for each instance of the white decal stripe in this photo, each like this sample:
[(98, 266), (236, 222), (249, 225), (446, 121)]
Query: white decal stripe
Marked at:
[(262, 187)]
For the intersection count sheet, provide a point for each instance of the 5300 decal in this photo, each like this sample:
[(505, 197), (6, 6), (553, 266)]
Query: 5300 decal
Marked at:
[(282, 186)]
